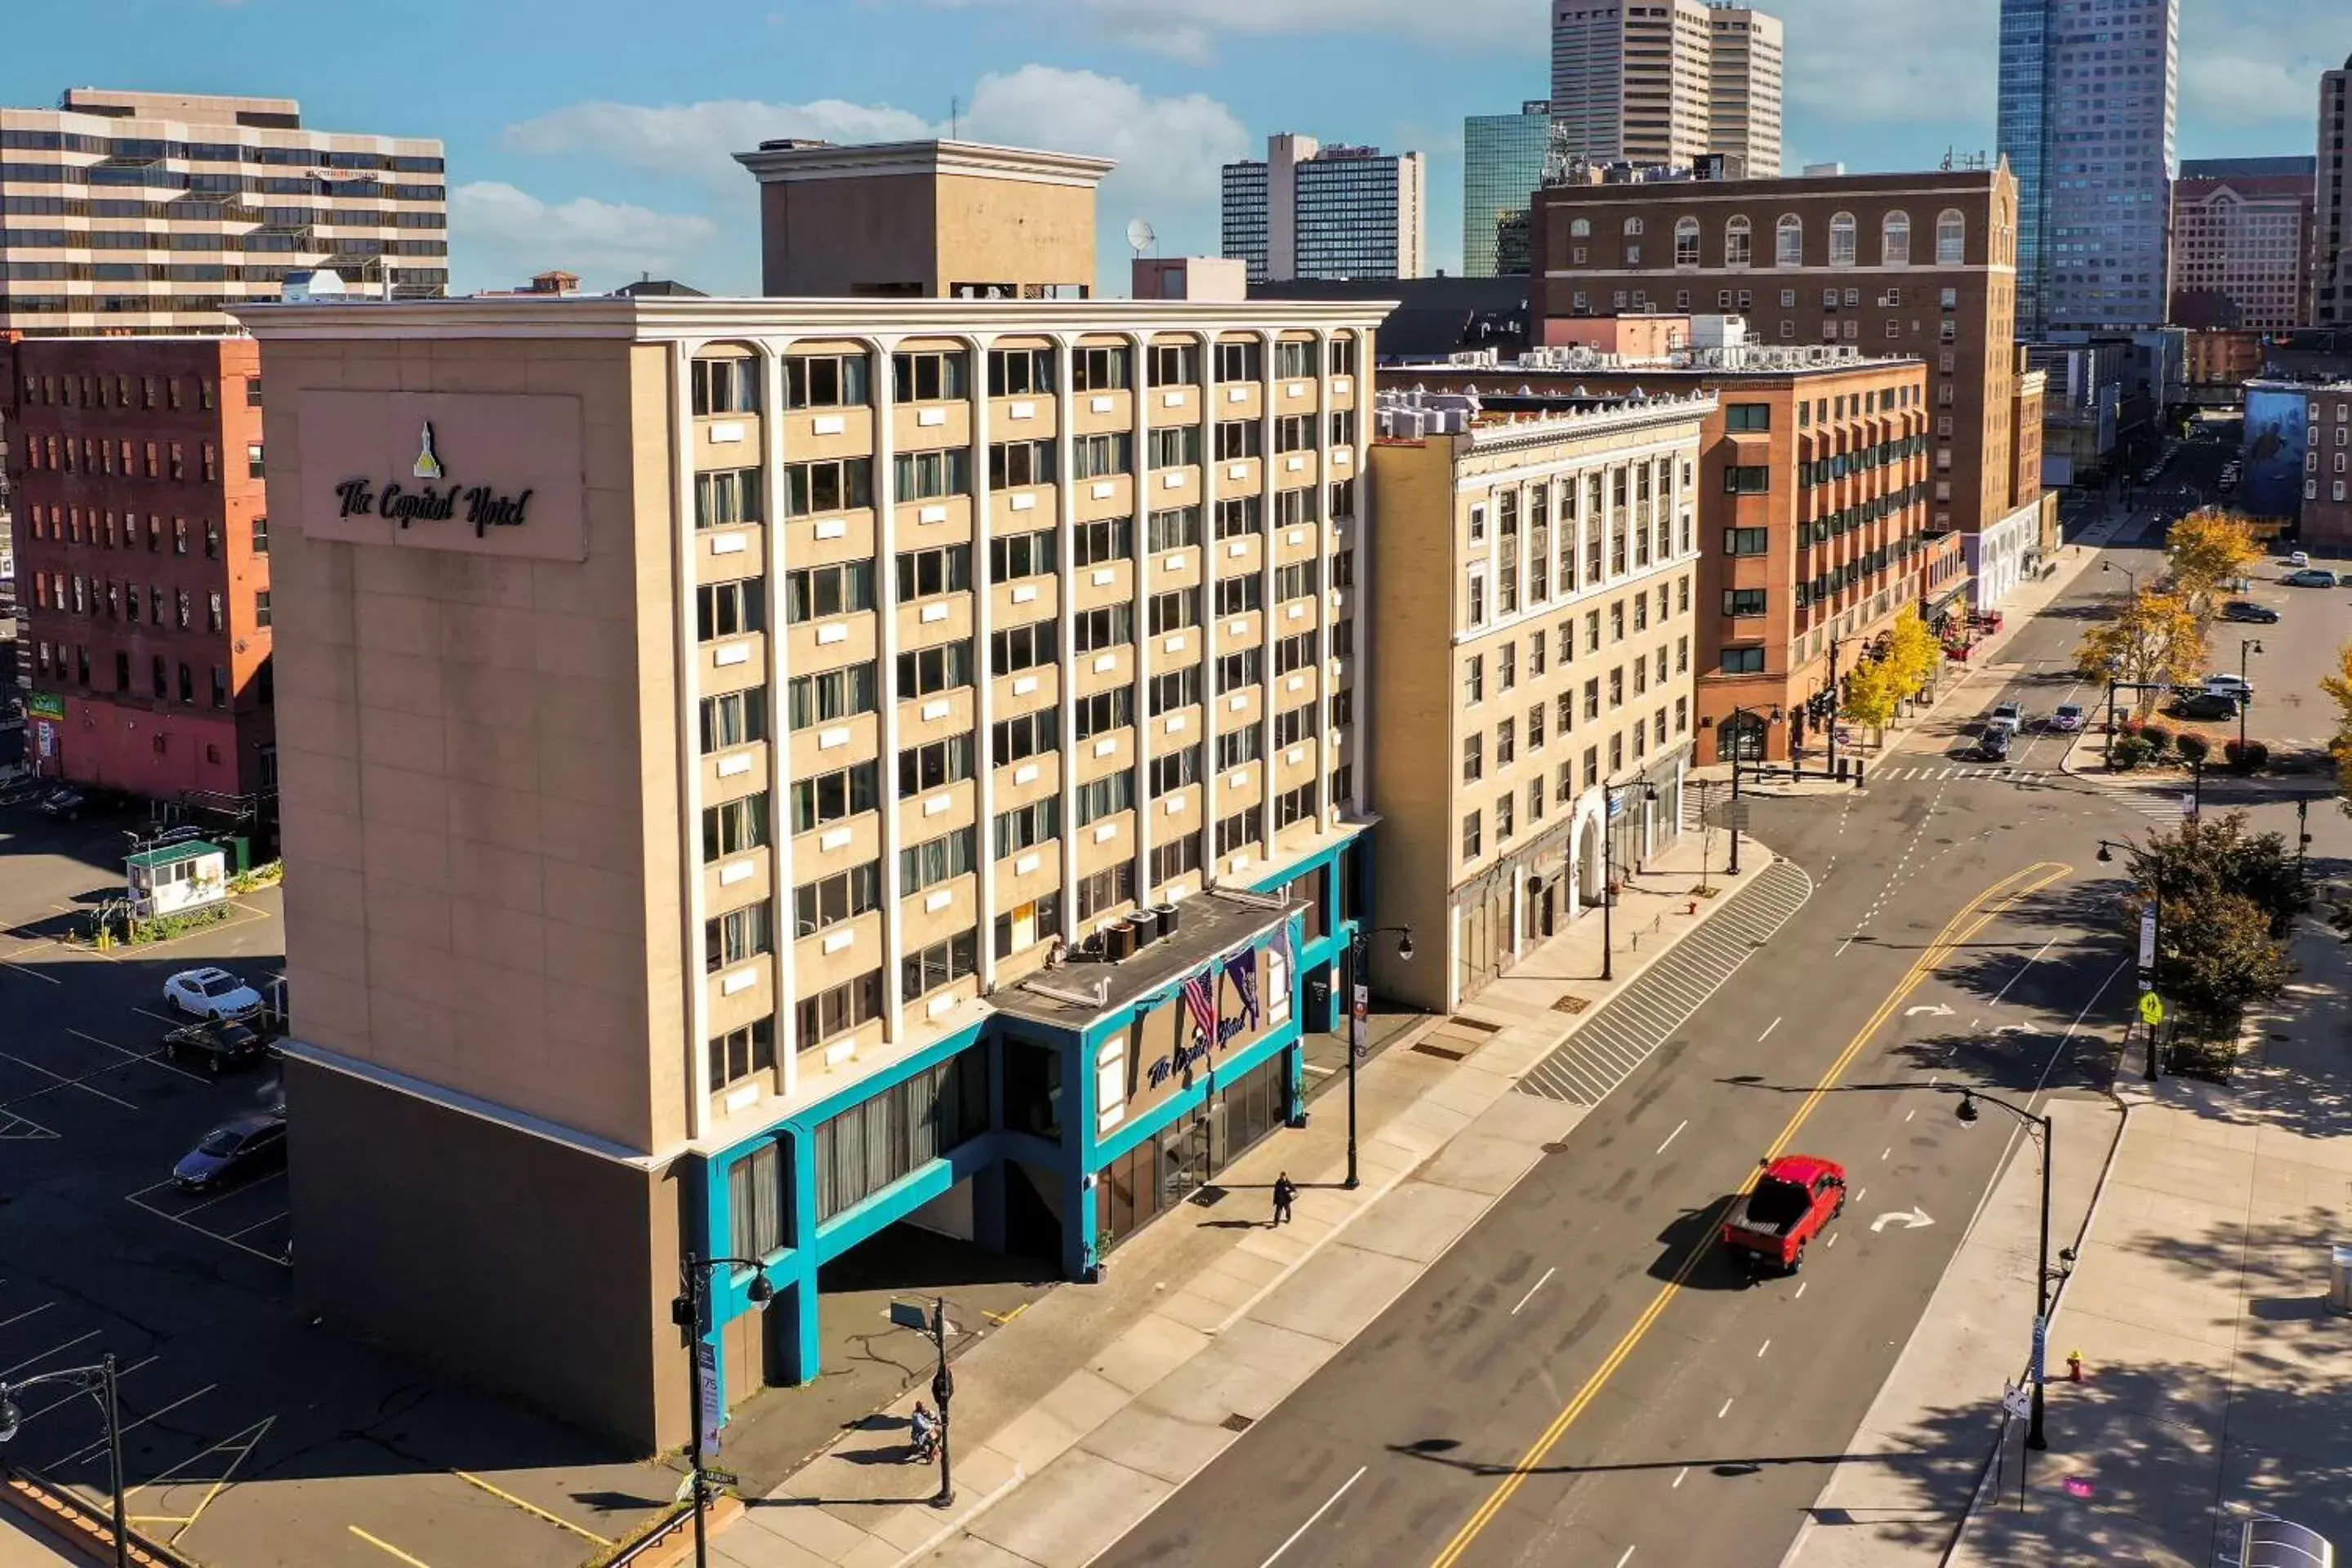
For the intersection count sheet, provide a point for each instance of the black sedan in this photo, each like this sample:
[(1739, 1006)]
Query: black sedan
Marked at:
[(215, 1044), (2247, 610), (2206, 705), (240, 1148)]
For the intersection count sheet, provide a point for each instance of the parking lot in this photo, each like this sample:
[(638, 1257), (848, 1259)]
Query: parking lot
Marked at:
[(251, 1435)]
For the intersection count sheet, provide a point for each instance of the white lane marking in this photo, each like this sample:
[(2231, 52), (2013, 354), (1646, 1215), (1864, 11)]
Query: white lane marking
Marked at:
[(1318, 1514), (1533, 1288), (1841, 947), (1627, 1558), (62, 1082), (1767, 1031), (1909, 1114), (46, 1354), (1724, 1411), (1672, 1136), (27, 1313), (1885, 1151), (1861, 1194), (1680, 1479), (1800, 1290), (1762, 1348), (1832, 1240), (34, 973), (2047, 1069)]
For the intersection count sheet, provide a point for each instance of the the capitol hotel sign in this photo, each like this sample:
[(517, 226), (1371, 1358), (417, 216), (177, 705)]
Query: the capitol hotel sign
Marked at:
[(478, 473)]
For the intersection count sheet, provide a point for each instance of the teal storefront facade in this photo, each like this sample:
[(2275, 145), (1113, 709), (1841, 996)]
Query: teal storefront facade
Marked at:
[(1091, 1119)]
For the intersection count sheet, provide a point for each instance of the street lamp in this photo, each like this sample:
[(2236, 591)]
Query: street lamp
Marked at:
[(687, 1309), (1359, 996), (2129, 575), (2245, 646), (2037, 1127), (99, 1383), (1608, 794), (1721, 731)]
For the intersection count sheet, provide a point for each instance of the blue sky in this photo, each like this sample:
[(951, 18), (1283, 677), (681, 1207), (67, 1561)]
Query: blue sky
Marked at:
[(594, 135)]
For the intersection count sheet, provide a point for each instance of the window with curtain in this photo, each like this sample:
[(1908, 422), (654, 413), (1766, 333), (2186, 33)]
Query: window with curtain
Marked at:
[(890, 1136), (755, 1196)]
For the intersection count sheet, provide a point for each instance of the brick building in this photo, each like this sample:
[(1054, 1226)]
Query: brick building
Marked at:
[(1914, 264), (1813, 488), (2241, 243), (143, 561)]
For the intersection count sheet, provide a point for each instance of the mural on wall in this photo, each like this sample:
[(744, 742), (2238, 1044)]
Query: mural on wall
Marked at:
[(2272, 482), (1184, 1035)]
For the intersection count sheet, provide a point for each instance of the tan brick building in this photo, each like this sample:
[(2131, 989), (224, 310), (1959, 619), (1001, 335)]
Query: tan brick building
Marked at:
[(1921, 265), (1534, 577)]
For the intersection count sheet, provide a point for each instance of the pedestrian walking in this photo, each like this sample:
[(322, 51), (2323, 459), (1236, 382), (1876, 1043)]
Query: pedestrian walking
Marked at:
[(1286, 1193)]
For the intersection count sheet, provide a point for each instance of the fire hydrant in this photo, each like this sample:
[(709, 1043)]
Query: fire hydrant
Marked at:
[(2074, 1366), (1693, 909)]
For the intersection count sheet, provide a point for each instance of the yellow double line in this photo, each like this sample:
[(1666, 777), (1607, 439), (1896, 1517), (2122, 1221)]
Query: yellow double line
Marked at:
[(1974, 916)]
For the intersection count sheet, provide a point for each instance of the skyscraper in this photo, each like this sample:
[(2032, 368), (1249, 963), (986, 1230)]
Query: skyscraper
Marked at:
[(2087, 104), (1502, 163), (1311, 211), (2332, 254), (148, 212), (1666, 84)]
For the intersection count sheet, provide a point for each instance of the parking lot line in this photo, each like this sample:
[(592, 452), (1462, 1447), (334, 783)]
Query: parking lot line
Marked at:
[(46, 1354), (64, 1082), (381, 1545), (36, 974), (200, 1230), (531, 1508), (77, 1456), (27, 1313), (13, 1125), (153, 1057), (243, 1443), (237, 1191)]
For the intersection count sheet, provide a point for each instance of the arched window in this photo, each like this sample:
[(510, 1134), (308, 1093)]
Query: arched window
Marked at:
[(1951, 238), (1841, 241), (1895, 240), (1687, 242), (1632, 227), (1789, 241), (1734, 242), (1579, 228)]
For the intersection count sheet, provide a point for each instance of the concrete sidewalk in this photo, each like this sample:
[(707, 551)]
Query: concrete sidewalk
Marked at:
[(1073, 1421)]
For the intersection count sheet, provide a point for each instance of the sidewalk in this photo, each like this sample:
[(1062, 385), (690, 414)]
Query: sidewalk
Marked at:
[(1073, 1423), (2217, 1382)]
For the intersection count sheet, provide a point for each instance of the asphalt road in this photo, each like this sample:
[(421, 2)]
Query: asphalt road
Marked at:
[(1583, 1379)]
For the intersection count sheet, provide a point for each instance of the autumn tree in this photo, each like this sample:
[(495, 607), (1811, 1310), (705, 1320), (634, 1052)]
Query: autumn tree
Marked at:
[(1912, 652), (2206, 552), (2158, 639), (2338, 687), (2226, 899), (1870, 694)]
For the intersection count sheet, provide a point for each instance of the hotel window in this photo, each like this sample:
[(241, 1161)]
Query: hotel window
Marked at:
[(933, 377), (837, 485), (1736, 243), (1343, 354), (1098, 370), (730, 609), (729, 386), (1240, 596), (1019, 463), (1238, 362), (1174, 445), (758, 1210), (1173, 772), (1175, 858), (1101, 456), (817, 591), (1104, 539), (1296, 652), (1293, 805), (1236, 670), (1743, 661), (1020, 373), (1239, 515), (1175, 364), (1237, 438), (1470, 836), (835, 797), (1235, 747), (923, 573), (1102, 712), (1894, 239), (1236, 832), (831, 695), (1029, 735), (1741, 602), (1687, 242), (1474, 681), (1951, 238), (920, 476), (1175, 610), (940, 859), (735, 719), (738, 935), (926, 672), (1014, 555), (1106, 889), (734, 828), (1176, 527), (810, 380), (1106, 626), (1789, 241), (1026, 827), (1292, 360), (830, 1015), (1294, 433), (1105, 796), (1842, 240)]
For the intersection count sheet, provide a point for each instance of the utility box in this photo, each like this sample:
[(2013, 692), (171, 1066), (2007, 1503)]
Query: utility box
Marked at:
[(2339, 1279)]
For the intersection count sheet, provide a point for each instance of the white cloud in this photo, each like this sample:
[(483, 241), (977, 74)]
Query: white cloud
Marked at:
[(1168, 149), (502, 235), (699, 141), (2260, 61)]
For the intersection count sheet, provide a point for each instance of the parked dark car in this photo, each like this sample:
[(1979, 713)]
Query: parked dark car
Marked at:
[(238, 1148), (217, 1046), (2206, 705), (2247, 610)]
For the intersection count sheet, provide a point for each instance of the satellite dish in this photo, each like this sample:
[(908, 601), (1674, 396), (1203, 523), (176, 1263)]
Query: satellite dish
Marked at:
[(1140, 236)]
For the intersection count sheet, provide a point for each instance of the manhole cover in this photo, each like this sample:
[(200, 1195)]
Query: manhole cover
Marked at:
[(1237, 1422), (1570, 1005), (1208, 1197), (1425, 1048)]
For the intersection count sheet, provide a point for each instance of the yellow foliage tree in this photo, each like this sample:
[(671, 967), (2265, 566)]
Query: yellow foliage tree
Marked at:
[(2338, 687), (1912, 652), (2158, 638), (2207, 550), (1870, 694)]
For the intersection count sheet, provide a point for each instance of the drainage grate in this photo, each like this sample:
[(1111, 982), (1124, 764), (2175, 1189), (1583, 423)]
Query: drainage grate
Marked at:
[(1207, 1197), (1237, 1422), (1478, 1025), (1444, 1052), (1570, 1005)]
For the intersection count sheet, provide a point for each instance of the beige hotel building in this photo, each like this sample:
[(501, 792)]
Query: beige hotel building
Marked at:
[(1533, 580), (757, 771)]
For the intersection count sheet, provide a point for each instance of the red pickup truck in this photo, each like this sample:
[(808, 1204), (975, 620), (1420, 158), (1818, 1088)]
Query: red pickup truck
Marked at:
[(1793, 1202)]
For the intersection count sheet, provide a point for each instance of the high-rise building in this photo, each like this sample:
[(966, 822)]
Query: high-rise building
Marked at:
[(148, 212), (760, 771), (142, 563), (1666, 84), (2331, 247), (1918, 264), (1311, 211), (1504, 536), (2241, 243), (2087, 109), (1502, 163)]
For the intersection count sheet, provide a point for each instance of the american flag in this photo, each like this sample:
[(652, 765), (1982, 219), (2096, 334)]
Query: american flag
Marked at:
[(1201, 997)]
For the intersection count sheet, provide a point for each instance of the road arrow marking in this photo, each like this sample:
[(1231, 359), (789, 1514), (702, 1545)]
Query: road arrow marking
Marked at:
[(2017, 1029), (1912, 1220), (1933, 1009)]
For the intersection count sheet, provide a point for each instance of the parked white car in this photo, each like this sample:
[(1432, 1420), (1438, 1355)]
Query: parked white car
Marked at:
[(2235, 685), (2298, 559), (211, 994), (2008, 716), (2068, 718)]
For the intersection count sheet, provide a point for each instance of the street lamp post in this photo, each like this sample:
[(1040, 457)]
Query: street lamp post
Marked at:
[(1359, 995), (100, 1383), (2245, 646), (2037, 1126), (2129, 575), (687, 1309), (1732, 746)]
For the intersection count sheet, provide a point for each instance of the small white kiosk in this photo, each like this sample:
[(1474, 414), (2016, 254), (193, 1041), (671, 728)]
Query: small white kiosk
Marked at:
[(177, 879)]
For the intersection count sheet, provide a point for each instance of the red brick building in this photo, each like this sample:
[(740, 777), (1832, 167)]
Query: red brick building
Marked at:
[(143, 561)]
